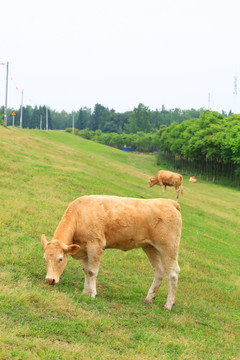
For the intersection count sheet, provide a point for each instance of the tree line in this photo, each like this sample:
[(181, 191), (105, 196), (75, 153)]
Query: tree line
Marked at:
[(203, 143), (207, 147), (141, 118), (30, 117)]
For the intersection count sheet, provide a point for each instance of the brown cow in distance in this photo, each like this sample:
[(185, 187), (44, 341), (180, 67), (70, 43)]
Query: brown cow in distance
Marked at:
[(192, 179), (94, 223), (167, 178)]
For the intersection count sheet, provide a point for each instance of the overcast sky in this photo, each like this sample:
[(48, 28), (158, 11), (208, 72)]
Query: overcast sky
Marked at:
[(119, 53)]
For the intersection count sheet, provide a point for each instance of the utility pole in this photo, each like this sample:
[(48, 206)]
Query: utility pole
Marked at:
[(21, 114), (6, 97), (46, 119), (73, 122), (41, 122)]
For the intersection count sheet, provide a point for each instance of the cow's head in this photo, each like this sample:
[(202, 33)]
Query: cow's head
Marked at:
[(55, 256), (151, 182)]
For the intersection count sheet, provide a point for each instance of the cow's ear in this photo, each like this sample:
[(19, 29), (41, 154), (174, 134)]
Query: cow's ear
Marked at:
[(44, 240), (72, 249)]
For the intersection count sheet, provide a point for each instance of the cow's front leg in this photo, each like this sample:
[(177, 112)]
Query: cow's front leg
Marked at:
[(162, 186), (86, 289), (91, 267)]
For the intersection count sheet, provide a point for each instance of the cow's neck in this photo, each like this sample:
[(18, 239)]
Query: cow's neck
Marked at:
[(66, 228)]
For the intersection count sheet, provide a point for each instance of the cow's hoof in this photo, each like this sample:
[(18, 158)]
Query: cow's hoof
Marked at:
[(148, 301), (167, 307), (89, 293)]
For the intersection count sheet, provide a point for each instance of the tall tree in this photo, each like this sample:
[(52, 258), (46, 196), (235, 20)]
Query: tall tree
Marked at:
[(99, 117), (26, 118), (84, 118), (34, 122), (140, 120)]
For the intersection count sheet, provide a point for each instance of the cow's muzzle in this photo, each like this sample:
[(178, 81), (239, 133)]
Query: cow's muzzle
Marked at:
[(50, 281)]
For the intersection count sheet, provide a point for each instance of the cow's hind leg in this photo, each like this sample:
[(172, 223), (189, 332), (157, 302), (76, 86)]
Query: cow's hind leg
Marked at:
[(172, 270), (155, 260), (177, 188)]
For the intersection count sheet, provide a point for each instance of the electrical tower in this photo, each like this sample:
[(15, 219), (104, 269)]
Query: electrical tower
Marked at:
[(235, 93), (208, 101), (235, 85)]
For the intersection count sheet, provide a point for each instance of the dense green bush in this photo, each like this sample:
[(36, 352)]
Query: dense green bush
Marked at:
[(140, 141), (208, 146)]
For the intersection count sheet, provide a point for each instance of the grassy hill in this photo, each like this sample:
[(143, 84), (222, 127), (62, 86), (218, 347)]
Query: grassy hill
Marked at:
[(39, 175)]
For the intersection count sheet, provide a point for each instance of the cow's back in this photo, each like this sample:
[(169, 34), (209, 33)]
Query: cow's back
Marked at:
[(125, 223), (169, 178)]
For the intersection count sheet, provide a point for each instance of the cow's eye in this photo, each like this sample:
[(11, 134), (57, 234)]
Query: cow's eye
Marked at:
[(60, 259)]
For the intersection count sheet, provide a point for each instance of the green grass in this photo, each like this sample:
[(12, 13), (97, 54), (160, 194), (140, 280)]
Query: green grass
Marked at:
[(39, 175)]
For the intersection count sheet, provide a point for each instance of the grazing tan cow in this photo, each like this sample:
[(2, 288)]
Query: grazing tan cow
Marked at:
[(192, 179), (167, 178), (94, 223)]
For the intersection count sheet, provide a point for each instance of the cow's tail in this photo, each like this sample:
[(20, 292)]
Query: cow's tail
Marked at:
[(181, 183)]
